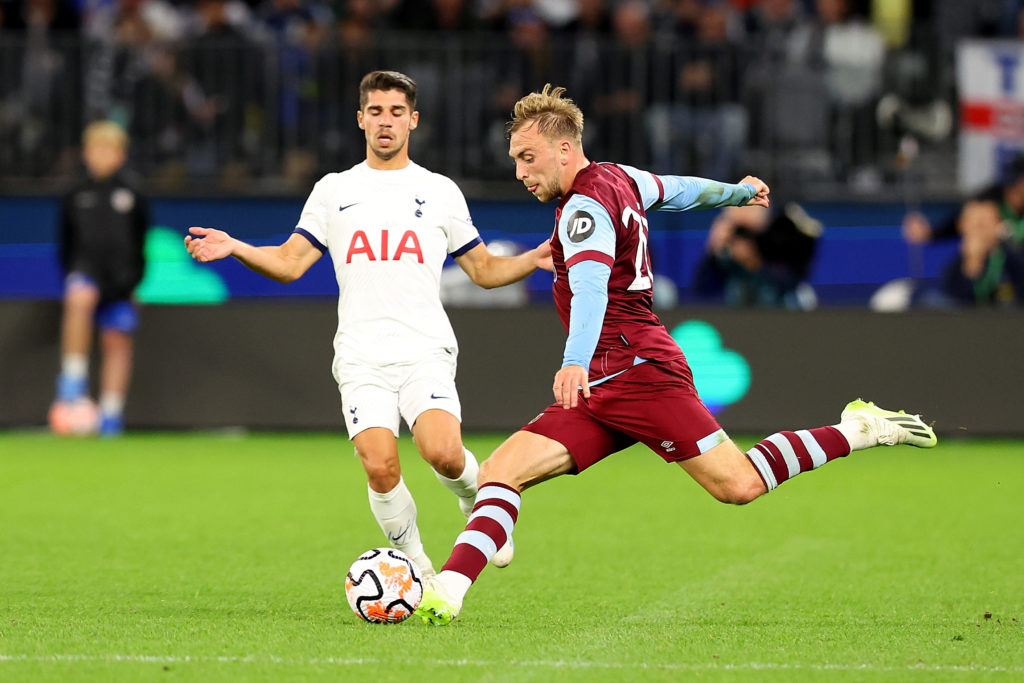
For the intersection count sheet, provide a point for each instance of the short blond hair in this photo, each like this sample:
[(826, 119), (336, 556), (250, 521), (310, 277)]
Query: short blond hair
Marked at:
[(555, 116), (105, 132)]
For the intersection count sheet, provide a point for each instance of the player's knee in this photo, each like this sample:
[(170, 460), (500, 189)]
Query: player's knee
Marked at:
[(495, 469), (739, 490), (445, 456), (81, 297), (381, 473)]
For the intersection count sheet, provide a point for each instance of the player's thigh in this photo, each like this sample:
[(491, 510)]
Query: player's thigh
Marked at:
[(426, 385), (526, 459), (368, 401)]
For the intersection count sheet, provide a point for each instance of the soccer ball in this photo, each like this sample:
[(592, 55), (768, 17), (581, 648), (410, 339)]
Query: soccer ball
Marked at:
[(384, 586), (80, 417)]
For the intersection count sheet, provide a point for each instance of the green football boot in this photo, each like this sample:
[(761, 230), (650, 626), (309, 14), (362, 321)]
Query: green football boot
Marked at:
[(437, 607), (889, 427)]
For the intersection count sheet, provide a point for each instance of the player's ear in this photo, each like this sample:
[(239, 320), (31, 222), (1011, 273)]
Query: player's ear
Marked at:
[(359, 118), (414, 120)]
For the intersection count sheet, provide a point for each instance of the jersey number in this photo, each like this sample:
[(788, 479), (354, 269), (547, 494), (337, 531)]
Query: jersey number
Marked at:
[(642, 264)]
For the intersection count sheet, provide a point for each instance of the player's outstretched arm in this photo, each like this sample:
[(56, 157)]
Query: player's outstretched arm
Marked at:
[(489, 270), (682, 193), (283, 263)]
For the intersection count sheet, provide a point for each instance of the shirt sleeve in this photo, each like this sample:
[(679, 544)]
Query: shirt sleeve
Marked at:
[(681, 193), (462, 234), (313, 220), (588, 281), (586, 232)]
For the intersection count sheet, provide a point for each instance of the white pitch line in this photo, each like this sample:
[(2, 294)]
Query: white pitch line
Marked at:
[(531, 664)]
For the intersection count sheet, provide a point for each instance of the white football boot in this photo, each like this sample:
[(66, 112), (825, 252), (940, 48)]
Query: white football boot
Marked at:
[(888, 428)]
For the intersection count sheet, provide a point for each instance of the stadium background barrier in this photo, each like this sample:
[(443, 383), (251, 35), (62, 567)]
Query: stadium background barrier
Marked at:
[(861, 248), (266, 365)]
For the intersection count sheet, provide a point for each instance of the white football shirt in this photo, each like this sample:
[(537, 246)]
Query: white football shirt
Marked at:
[(388, 233)]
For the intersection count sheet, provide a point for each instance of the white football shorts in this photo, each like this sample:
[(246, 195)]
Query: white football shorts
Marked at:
[(382, 395)]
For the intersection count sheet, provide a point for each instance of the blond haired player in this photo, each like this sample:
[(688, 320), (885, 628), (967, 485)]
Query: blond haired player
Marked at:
[(389, 224), (623, 379)]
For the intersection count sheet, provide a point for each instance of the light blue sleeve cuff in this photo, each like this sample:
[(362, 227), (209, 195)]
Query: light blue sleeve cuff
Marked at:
[(588, 281)]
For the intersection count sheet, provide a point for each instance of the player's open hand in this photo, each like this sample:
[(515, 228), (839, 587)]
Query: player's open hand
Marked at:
[(542, 256), (760, 197), (208, 244), (568, 382)]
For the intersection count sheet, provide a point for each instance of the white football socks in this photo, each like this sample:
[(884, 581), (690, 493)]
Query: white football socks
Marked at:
[(859, 433), (74, 365), (396, 513), (111, 403), (464, 486)]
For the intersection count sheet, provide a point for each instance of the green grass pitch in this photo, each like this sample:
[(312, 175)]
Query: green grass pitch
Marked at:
[(207, 557)]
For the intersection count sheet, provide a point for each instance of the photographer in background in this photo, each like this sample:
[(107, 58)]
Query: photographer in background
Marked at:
[(754, 258)]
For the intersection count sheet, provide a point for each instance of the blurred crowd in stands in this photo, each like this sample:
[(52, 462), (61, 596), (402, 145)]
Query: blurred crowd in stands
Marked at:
[(232, 93)]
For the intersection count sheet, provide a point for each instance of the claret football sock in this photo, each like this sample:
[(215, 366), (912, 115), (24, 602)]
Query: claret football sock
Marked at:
[(490, 525), (784, 455)]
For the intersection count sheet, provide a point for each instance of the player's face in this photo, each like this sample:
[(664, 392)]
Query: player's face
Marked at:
[(538, 163), (387, 120), (103, 158)]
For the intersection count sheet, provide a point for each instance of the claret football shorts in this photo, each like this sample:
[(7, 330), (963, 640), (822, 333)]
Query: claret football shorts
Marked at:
[(654, 403), (383, 395)]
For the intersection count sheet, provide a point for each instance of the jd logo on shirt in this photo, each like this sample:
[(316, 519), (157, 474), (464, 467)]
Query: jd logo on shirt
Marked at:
[(581, 226)]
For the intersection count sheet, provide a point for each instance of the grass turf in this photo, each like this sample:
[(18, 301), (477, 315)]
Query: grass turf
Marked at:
[(205, 557)]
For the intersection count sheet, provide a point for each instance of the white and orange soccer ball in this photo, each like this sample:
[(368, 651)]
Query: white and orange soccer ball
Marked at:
[(80, 417), (384, 586)]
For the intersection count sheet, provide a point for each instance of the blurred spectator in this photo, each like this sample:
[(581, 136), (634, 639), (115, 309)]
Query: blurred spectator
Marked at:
[(356, 49), (103, 226), (769, 27), (755, 257), (118, 34), (529, 62), (586, 37), (988, 270), (295, 32), (54, 15), (702, 126), (850, 52), (39, 104), (228, 69), (1005, 199), (174, 116), (627, 85), (436, 15)]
